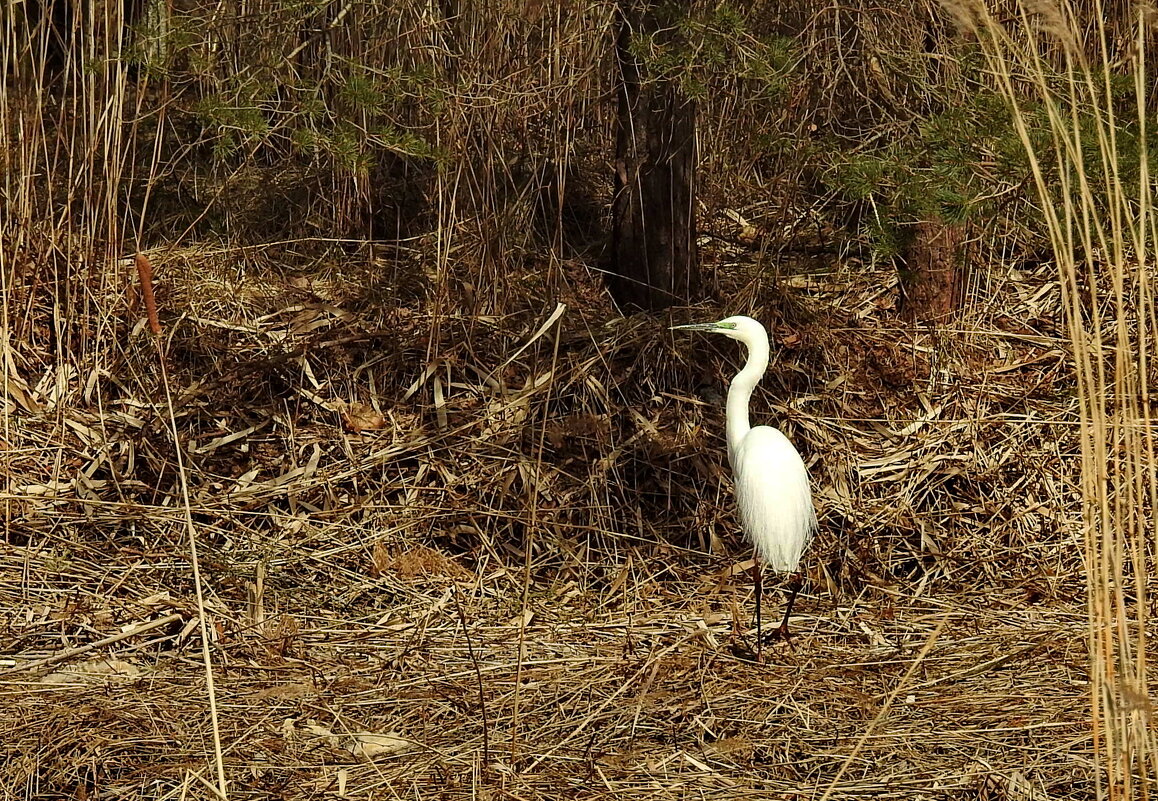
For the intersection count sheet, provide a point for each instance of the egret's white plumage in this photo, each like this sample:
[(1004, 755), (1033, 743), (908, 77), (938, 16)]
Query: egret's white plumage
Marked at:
[(773, 496), (772, 490)]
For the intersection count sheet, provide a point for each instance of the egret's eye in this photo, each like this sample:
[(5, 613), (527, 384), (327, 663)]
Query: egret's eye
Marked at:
[(729, 326)]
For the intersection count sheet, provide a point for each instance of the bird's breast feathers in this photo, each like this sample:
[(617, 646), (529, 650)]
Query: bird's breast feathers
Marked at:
[(773, 496)]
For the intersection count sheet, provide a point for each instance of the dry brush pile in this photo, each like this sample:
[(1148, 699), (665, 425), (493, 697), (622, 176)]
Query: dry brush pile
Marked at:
[(453, 554)]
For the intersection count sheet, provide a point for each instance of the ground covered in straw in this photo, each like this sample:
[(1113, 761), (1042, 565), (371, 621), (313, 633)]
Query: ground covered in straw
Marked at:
[(450, 551)]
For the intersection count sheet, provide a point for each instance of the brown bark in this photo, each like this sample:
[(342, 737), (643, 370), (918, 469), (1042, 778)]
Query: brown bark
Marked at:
[(932, 279), (653, 226)]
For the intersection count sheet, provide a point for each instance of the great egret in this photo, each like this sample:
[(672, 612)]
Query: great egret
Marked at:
[(772, 490)]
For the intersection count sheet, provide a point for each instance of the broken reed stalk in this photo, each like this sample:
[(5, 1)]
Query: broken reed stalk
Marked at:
[(145, 273)]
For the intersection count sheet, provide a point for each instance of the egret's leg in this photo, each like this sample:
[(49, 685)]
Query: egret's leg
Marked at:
[(793, 588), (758, 583)]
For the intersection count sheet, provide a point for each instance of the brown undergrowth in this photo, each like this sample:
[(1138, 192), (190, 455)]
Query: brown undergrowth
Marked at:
[(460, 555)]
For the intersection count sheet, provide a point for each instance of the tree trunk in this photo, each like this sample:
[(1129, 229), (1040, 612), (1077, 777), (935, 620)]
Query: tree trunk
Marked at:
[(932, 277), (653, 227)]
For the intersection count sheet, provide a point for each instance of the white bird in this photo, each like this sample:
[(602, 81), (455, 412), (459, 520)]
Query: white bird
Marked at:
[(772, 490)]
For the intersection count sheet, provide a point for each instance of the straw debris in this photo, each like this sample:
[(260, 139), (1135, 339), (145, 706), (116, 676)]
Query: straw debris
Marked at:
[(462, 556)]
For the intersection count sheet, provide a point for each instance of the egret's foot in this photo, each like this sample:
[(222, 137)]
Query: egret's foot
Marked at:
[(742, 651), (780, 634)]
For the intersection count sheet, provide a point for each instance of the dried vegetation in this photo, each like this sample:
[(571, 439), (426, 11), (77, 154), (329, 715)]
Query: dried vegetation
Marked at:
[(466, 532), (519, 572)]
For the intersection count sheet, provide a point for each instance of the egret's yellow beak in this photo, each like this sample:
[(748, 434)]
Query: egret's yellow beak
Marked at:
[(702, 327)]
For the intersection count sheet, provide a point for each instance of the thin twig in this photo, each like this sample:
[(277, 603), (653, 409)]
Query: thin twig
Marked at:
[(482, 699), (888, 704), (61, 656)]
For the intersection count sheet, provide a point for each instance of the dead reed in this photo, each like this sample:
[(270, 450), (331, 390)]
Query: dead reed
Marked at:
[(1092, 79)]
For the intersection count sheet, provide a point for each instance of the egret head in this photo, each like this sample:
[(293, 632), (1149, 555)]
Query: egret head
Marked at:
[(742, 328)]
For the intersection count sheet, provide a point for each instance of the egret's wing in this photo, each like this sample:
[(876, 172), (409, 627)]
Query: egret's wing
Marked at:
[(774, 498)]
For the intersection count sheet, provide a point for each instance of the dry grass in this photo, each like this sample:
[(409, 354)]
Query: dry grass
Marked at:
[(454, 542), (501, 585)]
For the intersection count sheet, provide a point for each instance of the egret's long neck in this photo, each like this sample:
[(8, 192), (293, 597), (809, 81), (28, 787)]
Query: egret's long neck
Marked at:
[(740, 393)]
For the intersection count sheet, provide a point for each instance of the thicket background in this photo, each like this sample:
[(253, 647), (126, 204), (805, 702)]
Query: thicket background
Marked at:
[(463, 528)]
